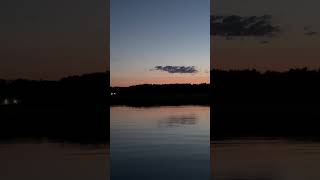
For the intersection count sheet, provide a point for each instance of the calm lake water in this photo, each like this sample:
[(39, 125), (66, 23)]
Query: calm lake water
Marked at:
[(265, 160), (53, 161), (165, 143)]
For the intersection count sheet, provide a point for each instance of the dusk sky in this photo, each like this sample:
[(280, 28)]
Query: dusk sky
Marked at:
[(157, 42), (295, 45), (52, 39)]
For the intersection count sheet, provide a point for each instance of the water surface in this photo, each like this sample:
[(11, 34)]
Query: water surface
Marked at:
[(53, 161), (160, 143), (265, 159)]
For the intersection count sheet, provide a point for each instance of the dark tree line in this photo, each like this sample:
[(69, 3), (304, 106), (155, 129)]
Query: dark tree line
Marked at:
[(161, 94), (252, 103), (249, 86), (84, 90)]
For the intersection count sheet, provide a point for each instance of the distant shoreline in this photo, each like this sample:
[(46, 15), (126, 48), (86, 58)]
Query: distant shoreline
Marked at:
[(161, 95)]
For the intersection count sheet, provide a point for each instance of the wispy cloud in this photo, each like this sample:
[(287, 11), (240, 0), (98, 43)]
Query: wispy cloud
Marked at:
[(176, 69), (234, 25)]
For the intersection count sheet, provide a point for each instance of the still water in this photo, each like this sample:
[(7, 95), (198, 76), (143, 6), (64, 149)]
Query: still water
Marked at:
[(258, 159), (160, 143), (53, 161)]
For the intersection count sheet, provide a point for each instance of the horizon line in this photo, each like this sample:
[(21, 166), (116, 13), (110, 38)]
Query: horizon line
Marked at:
[(160, 84)]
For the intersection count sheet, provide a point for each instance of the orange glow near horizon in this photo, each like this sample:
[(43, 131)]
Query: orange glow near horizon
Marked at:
[(118, 82)]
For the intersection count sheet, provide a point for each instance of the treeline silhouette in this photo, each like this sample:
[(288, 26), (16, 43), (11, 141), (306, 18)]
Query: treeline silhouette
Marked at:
[(252, 103), (161, 94), (84, 90), (73, 109)]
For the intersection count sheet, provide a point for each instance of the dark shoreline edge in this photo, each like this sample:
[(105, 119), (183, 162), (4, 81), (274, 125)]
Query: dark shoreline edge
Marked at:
[(79, 125), (159, 95), (293, 121), (299, 138)]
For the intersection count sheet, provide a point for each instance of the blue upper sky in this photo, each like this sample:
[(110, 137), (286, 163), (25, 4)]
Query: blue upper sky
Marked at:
[(150, 33)]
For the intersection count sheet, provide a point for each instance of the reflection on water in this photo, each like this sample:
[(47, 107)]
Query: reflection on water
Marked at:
[(265, 160), (160, 143), (179, 120), (53, 161)]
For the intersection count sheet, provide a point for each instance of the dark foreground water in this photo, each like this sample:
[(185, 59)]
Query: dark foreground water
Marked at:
[(160, 143), (53, 161), (258, 159)]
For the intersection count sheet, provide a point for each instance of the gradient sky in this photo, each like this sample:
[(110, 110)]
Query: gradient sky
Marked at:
[(291, 48), (149, 33), (51, 39)]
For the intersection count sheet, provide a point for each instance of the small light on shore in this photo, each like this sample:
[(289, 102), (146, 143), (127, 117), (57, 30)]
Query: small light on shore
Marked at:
[(6, 101)]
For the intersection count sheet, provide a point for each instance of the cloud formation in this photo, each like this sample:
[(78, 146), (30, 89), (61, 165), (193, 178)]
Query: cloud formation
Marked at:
[(309, 32), (176, 69), (234, 25)]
